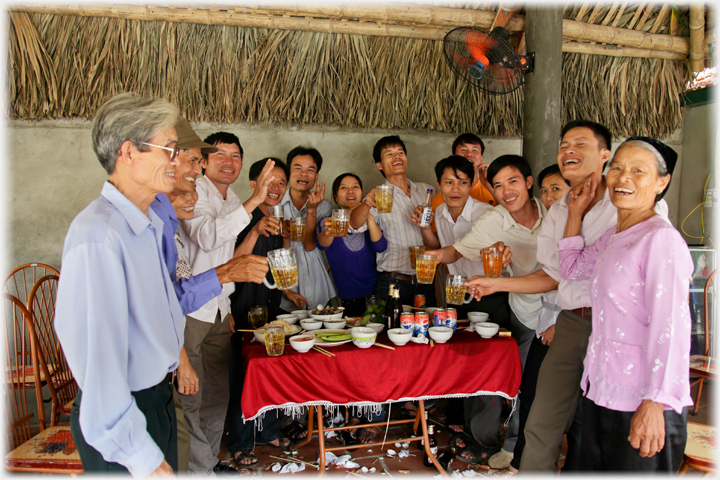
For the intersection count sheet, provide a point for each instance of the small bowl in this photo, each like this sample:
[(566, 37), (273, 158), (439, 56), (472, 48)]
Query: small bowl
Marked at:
[(311, 324), (440, 334), (486, 329), (333, 324), (289, 318), (363, 337), (301, 314), (399, 336), (476, 317), (378, 327), (260, 335), (407, 309), (302, 343)]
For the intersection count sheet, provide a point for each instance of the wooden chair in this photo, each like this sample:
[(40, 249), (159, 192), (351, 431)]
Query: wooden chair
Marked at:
[(700, 449), (63, 387), (52, 450), (21, 279), (703, 366)]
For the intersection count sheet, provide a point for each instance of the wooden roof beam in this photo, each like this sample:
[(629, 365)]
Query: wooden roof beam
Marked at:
[(697, 35)]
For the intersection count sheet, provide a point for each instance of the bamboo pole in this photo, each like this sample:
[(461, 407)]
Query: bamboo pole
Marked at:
[(697, 35), (615, 51), (571, 29)]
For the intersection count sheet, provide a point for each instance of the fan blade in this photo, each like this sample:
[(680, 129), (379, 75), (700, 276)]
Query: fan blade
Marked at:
[(479, 44)]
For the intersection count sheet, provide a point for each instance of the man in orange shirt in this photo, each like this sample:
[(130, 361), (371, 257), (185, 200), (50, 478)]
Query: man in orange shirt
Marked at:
[(470, 146)]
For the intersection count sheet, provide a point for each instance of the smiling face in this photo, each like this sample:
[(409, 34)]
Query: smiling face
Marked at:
[(580, 155), (393, 160), (633, 179), (223, 166), (349, 192), (303, 173), (183, 202), (276, 189), (511, 189), (552, 189), (153, 168), (454, 187), (188, 169), (471, 151)]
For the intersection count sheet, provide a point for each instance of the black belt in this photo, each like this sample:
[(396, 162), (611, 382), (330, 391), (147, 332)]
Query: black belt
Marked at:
[(585, 312), (399, 276), (168, 379)]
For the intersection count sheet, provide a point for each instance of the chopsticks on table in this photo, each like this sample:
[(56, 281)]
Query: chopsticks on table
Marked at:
[(323, 351), (296, 460), (384, 346), (432, 344), (240, 330)]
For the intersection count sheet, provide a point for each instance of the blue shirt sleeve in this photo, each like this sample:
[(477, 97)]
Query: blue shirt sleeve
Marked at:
[(97, 347), (379, 246), (196, 291)]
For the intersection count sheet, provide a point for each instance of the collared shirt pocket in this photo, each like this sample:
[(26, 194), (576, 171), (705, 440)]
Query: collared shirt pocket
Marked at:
[(623, 364)]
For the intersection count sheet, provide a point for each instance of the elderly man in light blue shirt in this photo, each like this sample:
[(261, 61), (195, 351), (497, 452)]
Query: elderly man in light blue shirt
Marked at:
[(118, 318)]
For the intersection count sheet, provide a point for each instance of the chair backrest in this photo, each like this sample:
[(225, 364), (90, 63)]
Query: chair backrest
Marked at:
[(20, 281), (41, 306), (708, 282), (18, 349)]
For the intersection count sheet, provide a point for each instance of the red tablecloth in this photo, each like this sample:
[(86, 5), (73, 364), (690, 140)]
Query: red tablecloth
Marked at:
[(464, 366)]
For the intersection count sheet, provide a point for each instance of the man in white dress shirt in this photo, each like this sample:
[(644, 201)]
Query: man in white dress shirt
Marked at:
[(219, 217)]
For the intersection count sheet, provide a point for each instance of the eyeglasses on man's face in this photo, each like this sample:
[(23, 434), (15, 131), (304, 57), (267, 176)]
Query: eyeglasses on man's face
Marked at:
[(173, 151)]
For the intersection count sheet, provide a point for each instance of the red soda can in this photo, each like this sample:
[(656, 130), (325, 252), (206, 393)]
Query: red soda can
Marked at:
[(439, 317), (451, 318), (407, 321), (419, 301), (422, 323)]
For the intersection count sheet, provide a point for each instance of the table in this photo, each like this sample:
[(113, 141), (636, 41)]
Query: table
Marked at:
[(467, 365)]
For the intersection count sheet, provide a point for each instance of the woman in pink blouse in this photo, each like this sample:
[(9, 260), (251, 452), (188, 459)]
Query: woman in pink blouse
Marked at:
[(635, 379)]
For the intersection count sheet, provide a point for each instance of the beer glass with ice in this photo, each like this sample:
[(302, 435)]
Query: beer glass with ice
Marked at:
[(297, 229), (455, 290), (274, 339), (276, 212), (384, 198), (283, 265), (340, 222), (425, 267), (492, 261)]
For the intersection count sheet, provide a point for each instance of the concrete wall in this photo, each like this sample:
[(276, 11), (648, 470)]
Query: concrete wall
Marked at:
[(53, 173)]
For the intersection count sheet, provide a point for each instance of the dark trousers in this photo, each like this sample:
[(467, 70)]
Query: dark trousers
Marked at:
[(156, 403), (354, 308), (605, 445), (496, 305), (241, 435), (535, 358), (408, 290)]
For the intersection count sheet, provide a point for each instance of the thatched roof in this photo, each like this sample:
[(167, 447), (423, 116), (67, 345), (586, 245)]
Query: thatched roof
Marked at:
[(64, 66)]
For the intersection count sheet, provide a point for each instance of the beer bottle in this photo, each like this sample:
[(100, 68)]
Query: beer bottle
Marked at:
[(433, 447), (388, 313), (397, 309)]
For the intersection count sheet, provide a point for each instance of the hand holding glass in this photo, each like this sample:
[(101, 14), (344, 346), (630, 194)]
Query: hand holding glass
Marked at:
[(384, 198), (283, 265), (297, 229), (340, 222), (277, 213), (492, 261)]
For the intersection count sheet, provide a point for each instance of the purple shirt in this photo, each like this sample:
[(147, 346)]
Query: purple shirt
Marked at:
[(639, 348)]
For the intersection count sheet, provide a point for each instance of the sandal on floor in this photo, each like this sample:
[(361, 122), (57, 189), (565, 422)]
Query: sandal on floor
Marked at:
[(283, 444), (368, 433), (243, 454), (347, 438), (295, 431), (473, 447)]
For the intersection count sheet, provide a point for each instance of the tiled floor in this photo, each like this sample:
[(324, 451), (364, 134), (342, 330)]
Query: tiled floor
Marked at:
[(411, 466)]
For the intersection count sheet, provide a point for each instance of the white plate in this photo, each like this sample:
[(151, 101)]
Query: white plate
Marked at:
[(321, 343)]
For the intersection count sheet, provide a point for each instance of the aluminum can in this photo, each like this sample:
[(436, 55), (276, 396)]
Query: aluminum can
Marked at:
[(438, 317), (422, 323), (419, 301), (451, 318), (407, 321)]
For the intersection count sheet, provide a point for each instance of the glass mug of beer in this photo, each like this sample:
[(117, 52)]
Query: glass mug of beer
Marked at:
[(455, 290), (492, 261), (425, 267), (277, 213), (274, 339), (258, 316), (283, 265), (297, 229), (340, 222), (413, 254), (384, 198)]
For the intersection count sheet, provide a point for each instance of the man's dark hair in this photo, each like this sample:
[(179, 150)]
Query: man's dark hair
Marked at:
[(468, 139), (300, 150), (389, 141), (257, 167), (455, 163), (515, 161), (222, 137), (553, 169), (336, 183), (601, 132)]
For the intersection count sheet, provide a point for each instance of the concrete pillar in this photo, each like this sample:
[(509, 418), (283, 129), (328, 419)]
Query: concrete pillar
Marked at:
[(542, 115)]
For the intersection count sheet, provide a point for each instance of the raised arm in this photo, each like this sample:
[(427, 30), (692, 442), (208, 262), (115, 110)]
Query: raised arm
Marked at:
[(359, 214), (315, 198), (379, 242), (430, 238)]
